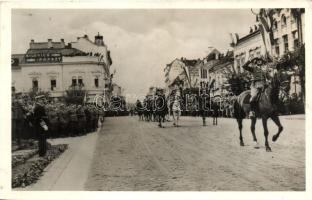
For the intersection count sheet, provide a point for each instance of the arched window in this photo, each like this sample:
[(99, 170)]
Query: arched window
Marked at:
[(96, 81), (275, 25), (74, 81), (284, 20), (80, 81), (35, 84)]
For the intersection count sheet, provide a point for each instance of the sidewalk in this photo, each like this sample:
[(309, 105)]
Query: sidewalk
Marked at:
[(70, 171)]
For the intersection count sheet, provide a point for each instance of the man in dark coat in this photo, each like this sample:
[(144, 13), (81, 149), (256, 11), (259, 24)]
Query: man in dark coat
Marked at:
[(40, 124), (204, 105)]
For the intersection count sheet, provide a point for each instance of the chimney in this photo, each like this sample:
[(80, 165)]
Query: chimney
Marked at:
[(98, 40), (32, 44), (50, 43), (69, 45), (62, 43)]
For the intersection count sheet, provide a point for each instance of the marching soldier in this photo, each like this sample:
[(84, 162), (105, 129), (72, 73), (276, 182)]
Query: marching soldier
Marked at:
[(204, 105)]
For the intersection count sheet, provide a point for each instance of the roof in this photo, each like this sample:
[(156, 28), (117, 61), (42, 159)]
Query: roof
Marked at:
[(62, 51), (224, 61), (189, 62), (43, 45), (250, 35)]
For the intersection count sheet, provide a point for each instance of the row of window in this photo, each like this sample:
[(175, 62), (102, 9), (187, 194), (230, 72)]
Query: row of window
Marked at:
[(286, 43), (75, 82), (283, 21)]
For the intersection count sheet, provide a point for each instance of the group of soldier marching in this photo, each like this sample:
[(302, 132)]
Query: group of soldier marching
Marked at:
[(40, 117), (159, 108)]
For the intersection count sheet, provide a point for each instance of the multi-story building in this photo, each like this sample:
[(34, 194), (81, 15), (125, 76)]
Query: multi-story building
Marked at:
[(55, 67), (288, 29), (248, 47), (212, 58), (221, 71)]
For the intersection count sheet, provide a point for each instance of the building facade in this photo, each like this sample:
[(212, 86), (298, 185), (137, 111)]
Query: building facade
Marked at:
[(288, 33), (248, 47), (55, 67), (287, 29)]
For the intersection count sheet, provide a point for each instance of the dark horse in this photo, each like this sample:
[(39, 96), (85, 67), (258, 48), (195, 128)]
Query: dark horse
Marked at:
[(160, 109), (267, 108)]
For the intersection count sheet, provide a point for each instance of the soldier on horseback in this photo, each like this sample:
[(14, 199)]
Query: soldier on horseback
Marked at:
[(260, 75)]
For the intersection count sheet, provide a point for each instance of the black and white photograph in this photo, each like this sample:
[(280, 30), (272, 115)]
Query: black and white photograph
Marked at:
[(162, 100)]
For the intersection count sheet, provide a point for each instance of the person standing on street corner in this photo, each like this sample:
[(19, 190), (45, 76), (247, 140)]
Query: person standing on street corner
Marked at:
[(40, 123)]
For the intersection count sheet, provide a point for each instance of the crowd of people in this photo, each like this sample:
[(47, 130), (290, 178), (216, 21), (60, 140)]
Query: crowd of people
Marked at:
[(159, 108), (62, 119)]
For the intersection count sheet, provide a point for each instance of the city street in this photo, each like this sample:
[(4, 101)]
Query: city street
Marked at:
[(139, 156)]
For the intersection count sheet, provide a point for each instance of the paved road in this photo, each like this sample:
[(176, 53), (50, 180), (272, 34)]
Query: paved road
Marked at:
[(139, 156)]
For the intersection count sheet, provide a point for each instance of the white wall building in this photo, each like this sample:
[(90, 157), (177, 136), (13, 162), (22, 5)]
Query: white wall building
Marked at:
[(53, 67), (286, 37), (248, 47), (285, 31)]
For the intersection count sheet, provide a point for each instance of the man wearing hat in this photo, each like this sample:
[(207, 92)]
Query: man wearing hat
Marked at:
[(40, 124), (257, 68)]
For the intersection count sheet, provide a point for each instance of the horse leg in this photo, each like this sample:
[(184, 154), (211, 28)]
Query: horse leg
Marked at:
[(266, 133), (253, 127), (240, 127), (276, 120)]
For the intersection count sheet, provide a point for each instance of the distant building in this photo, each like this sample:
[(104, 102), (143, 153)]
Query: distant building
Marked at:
[(221, 71), (116, 90), (55, 67)]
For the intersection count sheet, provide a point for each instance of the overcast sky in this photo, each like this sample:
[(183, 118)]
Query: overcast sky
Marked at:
[(141, 42)]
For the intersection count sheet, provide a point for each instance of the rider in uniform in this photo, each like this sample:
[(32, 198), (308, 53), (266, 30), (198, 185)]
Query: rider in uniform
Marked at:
[(258, 70)]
